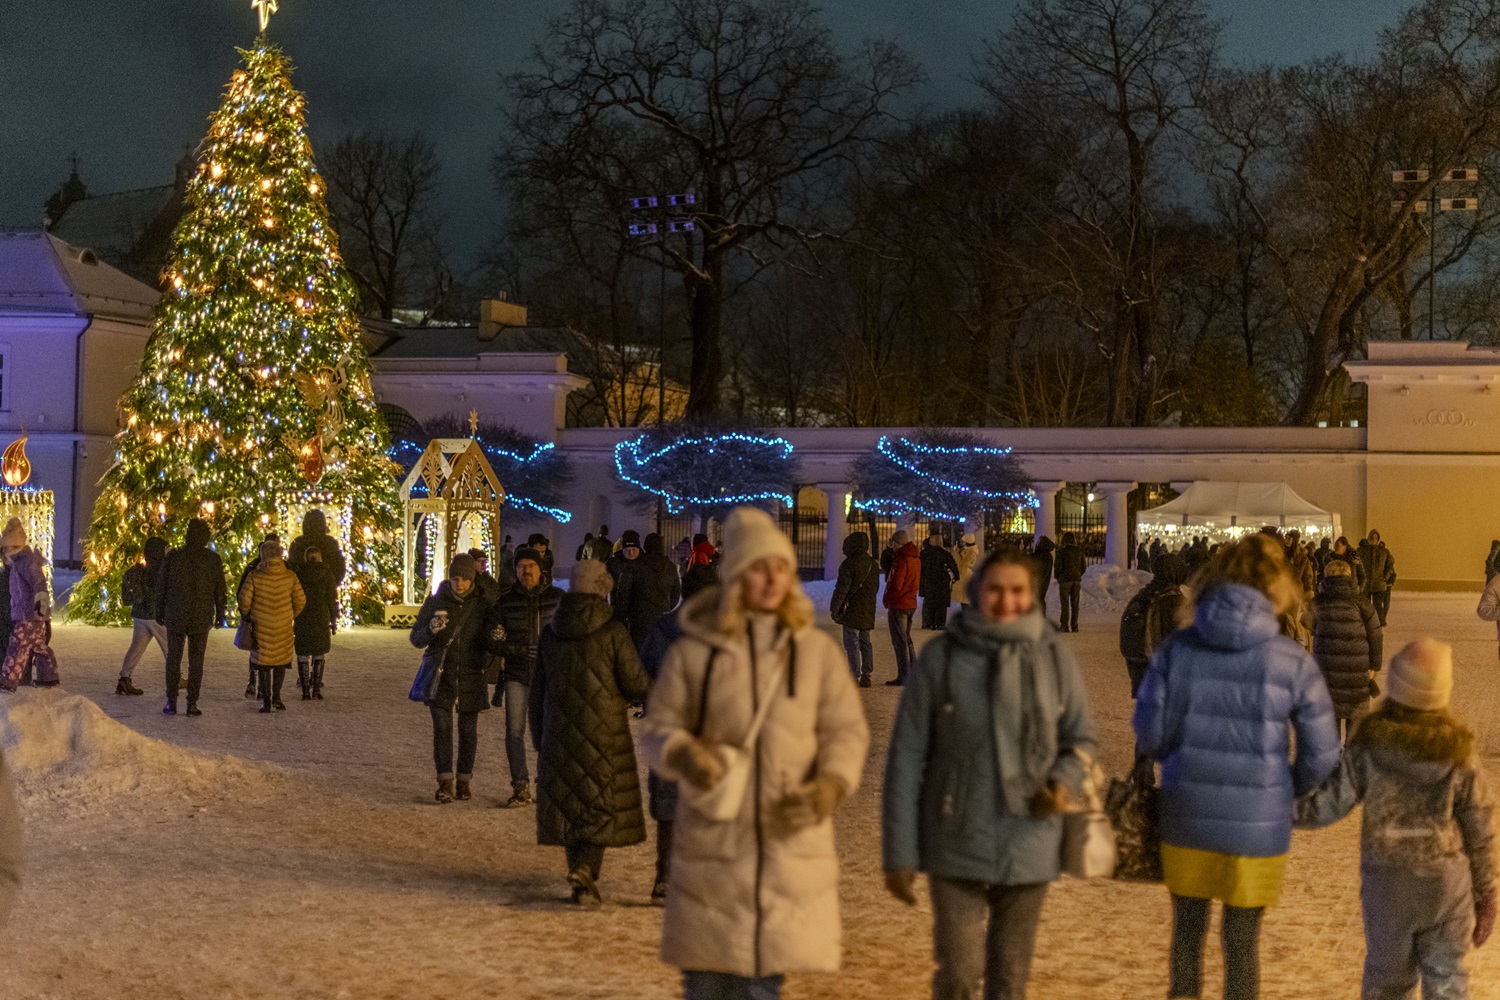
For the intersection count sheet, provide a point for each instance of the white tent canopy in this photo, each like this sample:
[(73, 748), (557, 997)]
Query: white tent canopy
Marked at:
[(1237, 508)]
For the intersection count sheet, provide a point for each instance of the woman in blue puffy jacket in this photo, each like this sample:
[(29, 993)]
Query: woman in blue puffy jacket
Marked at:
[(1218, 708)]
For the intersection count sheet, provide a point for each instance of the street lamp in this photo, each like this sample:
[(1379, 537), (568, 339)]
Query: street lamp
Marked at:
[(1434, 204), (664, 215)]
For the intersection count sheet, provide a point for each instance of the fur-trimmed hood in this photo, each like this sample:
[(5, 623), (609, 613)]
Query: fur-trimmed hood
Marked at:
[(1395, 731)]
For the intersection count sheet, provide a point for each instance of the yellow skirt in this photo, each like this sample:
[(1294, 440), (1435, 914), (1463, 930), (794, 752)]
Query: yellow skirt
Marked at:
[(1244, 882)]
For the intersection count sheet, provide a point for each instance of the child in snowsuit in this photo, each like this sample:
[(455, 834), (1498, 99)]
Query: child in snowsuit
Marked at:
[(1427, 871)]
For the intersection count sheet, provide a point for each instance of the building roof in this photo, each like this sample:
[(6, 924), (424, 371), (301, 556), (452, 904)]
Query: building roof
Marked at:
[(39, 273), (464, 342), (114, 225)]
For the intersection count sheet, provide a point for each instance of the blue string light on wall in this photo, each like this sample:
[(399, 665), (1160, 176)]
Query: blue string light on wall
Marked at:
[(944, 475), (708, 473)]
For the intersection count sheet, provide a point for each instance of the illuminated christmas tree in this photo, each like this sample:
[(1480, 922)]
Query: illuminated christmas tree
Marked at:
[(253, 401)]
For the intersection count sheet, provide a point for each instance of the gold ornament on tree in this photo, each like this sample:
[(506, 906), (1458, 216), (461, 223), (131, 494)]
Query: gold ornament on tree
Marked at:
[(321, 391)]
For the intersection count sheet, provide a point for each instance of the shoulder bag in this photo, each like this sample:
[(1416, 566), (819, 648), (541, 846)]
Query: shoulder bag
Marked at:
[(722, 802), (430, 672), (1088, 843)]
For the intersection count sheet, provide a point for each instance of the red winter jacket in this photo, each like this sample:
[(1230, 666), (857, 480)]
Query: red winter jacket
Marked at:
[(902, 581), (703, 554)]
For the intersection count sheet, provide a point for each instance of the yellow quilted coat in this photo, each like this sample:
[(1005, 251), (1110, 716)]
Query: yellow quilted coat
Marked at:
[(273, 597)]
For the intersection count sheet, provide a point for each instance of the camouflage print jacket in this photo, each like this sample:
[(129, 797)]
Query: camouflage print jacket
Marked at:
[(1427, 808)]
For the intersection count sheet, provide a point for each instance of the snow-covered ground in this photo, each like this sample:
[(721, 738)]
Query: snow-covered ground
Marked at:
[(300, 854)]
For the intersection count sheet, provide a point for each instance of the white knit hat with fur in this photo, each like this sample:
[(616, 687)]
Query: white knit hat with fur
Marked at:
[(1421, 675), (751, 535)]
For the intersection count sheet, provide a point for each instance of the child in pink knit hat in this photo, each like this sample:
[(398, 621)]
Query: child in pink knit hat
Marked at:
[(1427, 867)]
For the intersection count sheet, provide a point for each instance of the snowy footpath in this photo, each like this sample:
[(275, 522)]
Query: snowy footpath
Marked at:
[(300, 854)]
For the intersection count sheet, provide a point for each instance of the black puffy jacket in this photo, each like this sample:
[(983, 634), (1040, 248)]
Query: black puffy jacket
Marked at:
[(853, 602), (193, 594), (313, 629), (1070, 564), (1044, 553), (1141, 628), (939, 573), (647, 589), (1347, 643), (586, 678), (462, 683), (523, 615)]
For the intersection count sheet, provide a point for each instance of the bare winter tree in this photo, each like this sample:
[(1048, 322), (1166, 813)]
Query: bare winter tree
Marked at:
[(1311, 151), (747, 103), (382, 193), (1102, 86)]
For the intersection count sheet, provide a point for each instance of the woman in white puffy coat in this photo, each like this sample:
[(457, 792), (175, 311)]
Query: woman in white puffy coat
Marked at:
[(755, 897)]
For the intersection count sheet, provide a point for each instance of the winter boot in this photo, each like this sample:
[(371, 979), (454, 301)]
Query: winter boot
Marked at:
[(264, 690), (317, 677), (126, 687), (280, 674), (193, 708), (250, 691), (445, 791), (585, 889), (170, 708), (461, 790), (304, 682), (520, 795)]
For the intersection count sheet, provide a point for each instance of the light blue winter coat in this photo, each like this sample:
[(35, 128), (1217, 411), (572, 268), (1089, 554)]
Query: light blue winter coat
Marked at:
[(1218, 708), (944, 811)]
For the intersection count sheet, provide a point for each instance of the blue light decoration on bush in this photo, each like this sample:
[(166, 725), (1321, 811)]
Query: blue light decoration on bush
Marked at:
[(944, 475), (709, 473)]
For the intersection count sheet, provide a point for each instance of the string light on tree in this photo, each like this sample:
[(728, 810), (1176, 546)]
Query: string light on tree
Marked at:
[(946, 475), (707, 474), (255, 384)]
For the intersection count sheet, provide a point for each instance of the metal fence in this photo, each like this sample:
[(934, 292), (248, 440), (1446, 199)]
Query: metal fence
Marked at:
[(807, 527)]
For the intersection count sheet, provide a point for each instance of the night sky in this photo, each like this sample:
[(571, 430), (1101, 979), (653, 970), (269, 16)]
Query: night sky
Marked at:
[(128, 84)]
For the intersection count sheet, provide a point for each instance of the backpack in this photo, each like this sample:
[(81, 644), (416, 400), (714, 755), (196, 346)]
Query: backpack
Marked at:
[(1158, 621)]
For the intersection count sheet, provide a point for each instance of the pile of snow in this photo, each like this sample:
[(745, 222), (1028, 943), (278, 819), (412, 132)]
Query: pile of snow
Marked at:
[(1108, 588), (62, 746)]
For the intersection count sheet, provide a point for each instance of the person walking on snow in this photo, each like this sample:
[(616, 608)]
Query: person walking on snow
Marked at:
[(966, 557), (30, 612), (139, 588), (755, 897), (654, 589), (989, 747), (852, 606), (902, 581), (316, 623), (272, 598), (1347, 642), (1380, 573), (454, 619), (587, 675), (1044, 554), (252, 685), (1068, 569), (513, 627), (1426, 853), (193, 600), (939, 571), (1223, 704), (1151, 616)]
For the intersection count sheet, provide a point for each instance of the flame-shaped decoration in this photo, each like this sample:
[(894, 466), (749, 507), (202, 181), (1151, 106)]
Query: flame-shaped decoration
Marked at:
[(310, 455), (15, 467)]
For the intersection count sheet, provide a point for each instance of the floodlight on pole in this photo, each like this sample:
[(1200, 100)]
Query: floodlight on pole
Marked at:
[(669, 215), (1430, 206)]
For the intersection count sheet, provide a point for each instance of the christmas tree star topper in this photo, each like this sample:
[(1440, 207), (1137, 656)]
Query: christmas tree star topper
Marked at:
[(265, 8)]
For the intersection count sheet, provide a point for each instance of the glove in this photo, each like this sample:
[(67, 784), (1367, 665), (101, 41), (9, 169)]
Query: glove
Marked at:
[(1049, 801), (901, 883), (437, 623), (812, 802), (497, 634), (697, 762), (1484, 916)]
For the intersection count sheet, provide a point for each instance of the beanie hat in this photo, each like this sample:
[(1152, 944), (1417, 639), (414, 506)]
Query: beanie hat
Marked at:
[(751, 535), (270, 550), (590, 576), (899, 539), (1421, 675), (527, 552), (462, 567), (14, 536), (630, 540)]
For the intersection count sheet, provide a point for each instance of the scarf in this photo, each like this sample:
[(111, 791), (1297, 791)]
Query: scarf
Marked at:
[(1024, 701)]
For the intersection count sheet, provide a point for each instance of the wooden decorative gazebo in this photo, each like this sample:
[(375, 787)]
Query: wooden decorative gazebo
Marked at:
[(450, 493)]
